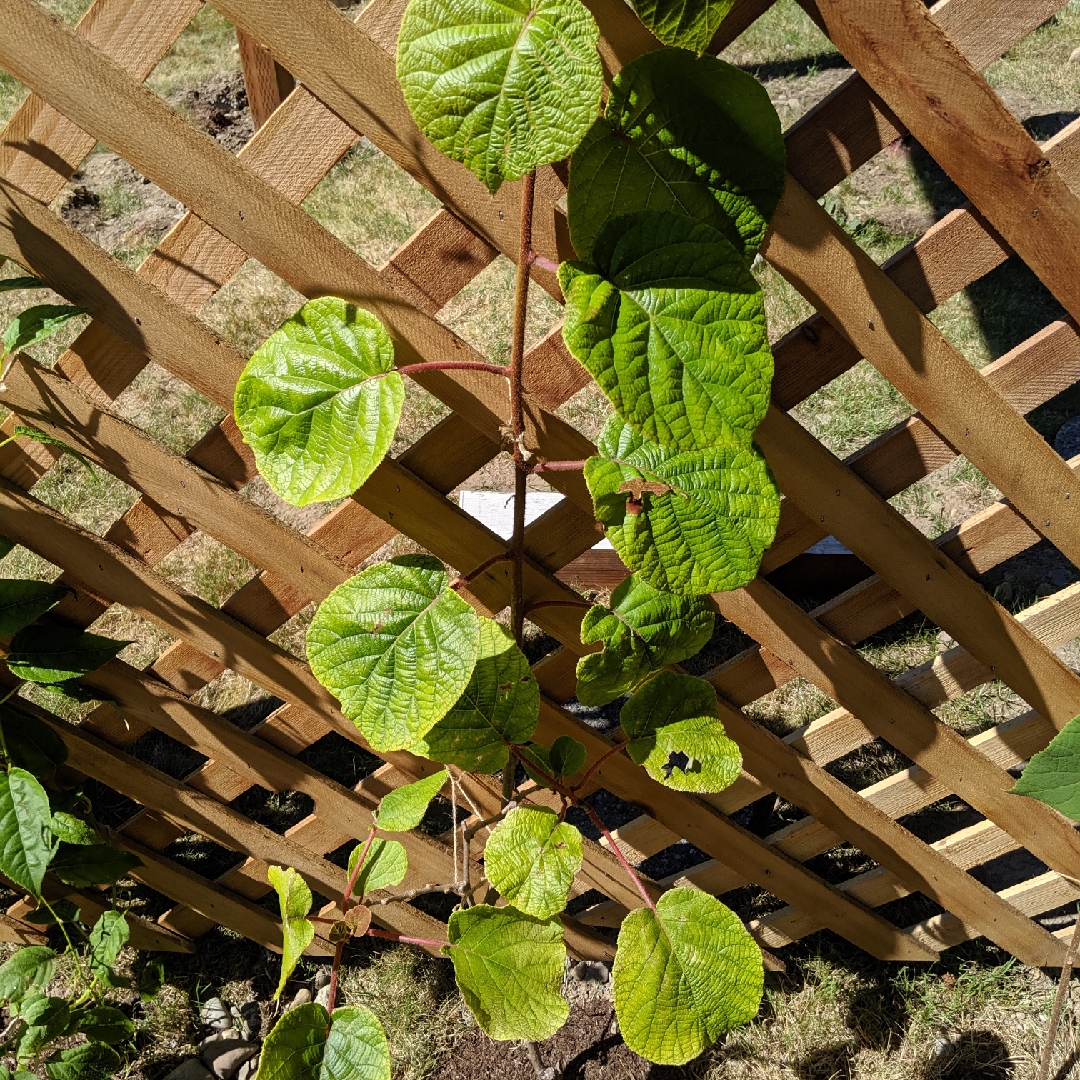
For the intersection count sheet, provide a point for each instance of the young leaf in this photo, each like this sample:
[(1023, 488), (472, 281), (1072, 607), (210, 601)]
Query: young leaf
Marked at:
[(686, 24), (37, 323), (299, 1047), (694, 135), (8, 284), (396, 647), (73, 830), (319, 402), (106, 1024), (404, 808), (642, 631), (21, 602), (28, 971), (532, 858), (683, 976), (509, 968), (51, 654), (385, 865), (151, 980), (678, 735), (502, 87), (500, 705), (298, 932), (108, 936), (1053, 775), (31, 743), (98, 864), (51, 440), (26, 844), (671, 323), (90, 1061), (563, 758), (689, 523), (47, 1018)]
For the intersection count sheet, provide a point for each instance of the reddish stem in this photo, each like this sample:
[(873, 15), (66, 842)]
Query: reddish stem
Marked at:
[(339, 950), (390, 935), (503, 556), (594, 817), (600, 761), (453, 365), (543, 264), (554, 784), (557, 466)]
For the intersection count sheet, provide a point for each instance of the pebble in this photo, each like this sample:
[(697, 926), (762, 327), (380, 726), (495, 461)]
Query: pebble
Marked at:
[(591, 971), (1074, 56), (192, 1069), (322, 978), (216, 1015), (248, 1070), (323, 998), (229, 1035), (251, 1020), (301, 997), (942, 1046), (224, 1058)]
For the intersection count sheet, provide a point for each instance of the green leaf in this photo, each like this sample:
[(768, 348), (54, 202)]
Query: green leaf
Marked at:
[(678, 735), (404, 808), (694, 135), (21, 602), (509, 968), (686, 24), (500, 705), (91, 1061), (151, 980), (51, 654), (642, 630), (51, 440), (108, 936), (1053, 775), (29, 970), (502, 87), (26, 844), (671, 323), (689, 523), (98, 864), (37, 323), (319, 402), (73, 830), (532, 858), (298, 1048), (47, 1018), (63, 911), (106, 1024), (298, 932), (385, 864), (8, 284), (396, 647), (31, 743), (683, 976), (563, 758), (6, 545)]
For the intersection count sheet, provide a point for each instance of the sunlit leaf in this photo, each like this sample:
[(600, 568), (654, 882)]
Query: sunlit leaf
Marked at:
[(1053, 775), (27, 971), (298, 932), (26, 432), (403, 808), (385, 864), (21, 602), (106, 1024), (38, 323), (73, 830), (108, 936), (26, 843), (47, 1018), (51, 654), (301, 1048), (687, 24)]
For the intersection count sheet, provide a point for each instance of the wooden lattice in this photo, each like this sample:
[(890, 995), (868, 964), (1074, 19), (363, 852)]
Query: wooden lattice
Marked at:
[(917, 71)]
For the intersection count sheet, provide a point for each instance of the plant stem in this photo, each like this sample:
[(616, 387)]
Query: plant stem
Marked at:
[(390, 935), (600, 761), (340, 948), (557, 466), (472, 575), (594, 817), (1059, 1001), (453, 365)]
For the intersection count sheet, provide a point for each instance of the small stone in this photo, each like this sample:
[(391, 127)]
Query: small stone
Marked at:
[(248, 1070), (322, 978), (590, 971), (191, 1069), (216, 1015), (251, 1020), (231, 1035), (614, 1029), (301, 997), (323, 998), (942, 1046), (1074, 56), (224, 1058)]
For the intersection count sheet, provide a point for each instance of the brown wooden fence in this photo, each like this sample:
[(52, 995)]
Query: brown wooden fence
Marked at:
[(917, 72)]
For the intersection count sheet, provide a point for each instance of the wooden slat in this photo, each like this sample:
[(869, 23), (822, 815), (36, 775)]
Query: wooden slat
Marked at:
[(267, 83)]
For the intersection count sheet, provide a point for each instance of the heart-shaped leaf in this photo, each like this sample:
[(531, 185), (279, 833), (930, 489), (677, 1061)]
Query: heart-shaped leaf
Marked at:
[(500, 705), (502, 86), (38, 323), (52, 654), (396, 647), (509, 968), (27, 971), (565, 757), (683, 976), (108, 936), (309, 1044), (73, 830), (689, 523), (31, 743), (319, 401), (532, 858), (642, 630), (694, 135), (298, 932), (671, 323), (685, 24), (678, 735), (21, 602), (1053, 775), (403, 808), (385, 864), (26, 843), (99, 864)]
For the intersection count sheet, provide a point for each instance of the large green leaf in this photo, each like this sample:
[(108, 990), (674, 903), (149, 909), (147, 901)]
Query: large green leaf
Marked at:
[(500, 705), (72, 829), (1053, 775), (403, 808), (532, 858), (509, 968), (683, 976), (500, 85), (690, 134), (678, 735), (27, 971), (26, 843), (47, 1018), (299, 1047), (671, 323), (690, 523), (31, 743), (642, 630), (21, 602), (687, 24), (106, 1024), (319, 401), (90, 1061), (37, 323), (52, 654), (98, 864), (397, 647), (298, 932), (385, 864), (108, 936)]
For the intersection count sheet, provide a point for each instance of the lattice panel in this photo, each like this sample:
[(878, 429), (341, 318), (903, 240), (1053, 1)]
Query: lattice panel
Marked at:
[(87, 85)]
